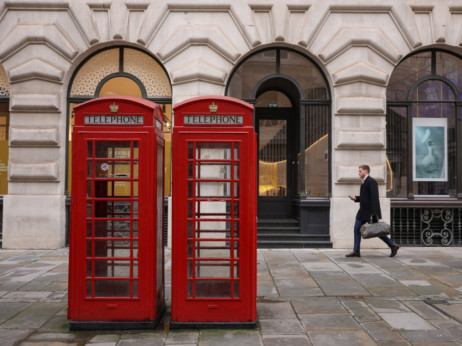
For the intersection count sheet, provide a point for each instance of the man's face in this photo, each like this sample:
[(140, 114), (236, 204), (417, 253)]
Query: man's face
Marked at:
[(362, 173)]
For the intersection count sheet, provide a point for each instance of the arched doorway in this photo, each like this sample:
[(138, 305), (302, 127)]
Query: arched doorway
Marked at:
[(293, 122)]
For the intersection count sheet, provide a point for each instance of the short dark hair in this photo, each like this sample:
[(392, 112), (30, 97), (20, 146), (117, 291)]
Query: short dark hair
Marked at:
[(365, 168)]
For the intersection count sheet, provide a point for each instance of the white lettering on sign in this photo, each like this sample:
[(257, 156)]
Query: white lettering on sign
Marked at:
[(213, 120), (114, 120)]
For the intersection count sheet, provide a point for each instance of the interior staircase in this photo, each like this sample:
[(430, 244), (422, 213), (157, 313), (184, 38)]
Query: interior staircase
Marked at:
[(285, 234)]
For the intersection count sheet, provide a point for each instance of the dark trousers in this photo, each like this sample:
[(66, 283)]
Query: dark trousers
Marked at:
[(358, 225)]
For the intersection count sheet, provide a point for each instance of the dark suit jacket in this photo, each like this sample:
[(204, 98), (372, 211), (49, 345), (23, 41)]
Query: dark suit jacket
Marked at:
[(368, 199)]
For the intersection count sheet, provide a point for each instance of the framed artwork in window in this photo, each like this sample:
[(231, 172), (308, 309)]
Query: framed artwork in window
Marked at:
[(429, 149)]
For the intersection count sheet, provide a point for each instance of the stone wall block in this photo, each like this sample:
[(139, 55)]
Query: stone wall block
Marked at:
[(198, 70), (186, 36), (360, 105), (360, 139), (51, 35), (347, 37), (348, 173), (34, 136), (360, 72), (34, 102), (47, 171), (36, 69)]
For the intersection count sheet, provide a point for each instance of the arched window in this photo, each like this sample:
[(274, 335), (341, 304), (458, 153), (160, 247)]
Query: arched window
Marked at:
[(292, 119), (424, 145), (122, 71)]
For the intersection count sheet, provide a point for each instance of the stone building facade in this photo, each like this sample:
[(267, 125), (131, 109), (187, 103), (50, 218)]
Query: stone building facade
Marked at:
[(355, 70)]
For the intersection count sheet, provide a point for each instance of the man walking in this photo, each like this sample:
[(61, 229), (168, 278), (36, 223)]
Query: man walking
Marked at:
[(369, 207)]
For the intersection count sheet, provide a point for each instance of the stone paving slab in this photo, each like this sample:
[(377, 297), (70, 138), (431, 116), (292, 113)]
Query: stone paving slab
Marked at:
[(305, 297)]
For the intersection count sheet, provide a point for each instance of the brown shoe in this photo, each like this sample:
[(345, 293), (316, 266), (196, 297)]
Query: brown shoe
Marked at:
[(394, 250), (353, 254)]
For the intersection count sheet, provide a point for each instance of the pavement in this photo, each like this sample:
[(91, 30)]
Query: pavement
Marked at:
[(305, 297)]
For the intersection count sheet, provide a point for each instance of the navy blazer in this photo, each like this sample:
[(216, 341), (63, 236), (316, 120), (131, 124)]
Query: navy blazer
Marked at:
[(368, 199)]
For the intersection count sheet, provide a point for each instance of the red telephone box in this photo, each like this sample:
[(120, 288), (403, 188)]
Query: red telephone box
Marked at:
[(214, 214), (116, 265)]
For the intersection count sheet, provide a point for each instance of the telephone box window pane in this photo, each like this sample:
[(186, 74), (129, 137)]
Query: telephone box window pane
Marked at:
[(214, 269), (190, 249), (135, 269), (213, 229), (135, 150), (135, 288), (190, 269), (213, 151), (89, 248), (236, 229), (213, 289), (89, 228), (190, 151), (89, 288), (236, 289), (89, 169), (190, 229), (190, 289), (216, 249), (236, 151), (135, 229), (212, 170), (89, 209), (112, 269), (236, 209), (89, 149), (122, 189), (212, 210), (115, 209), (113, 149), (190, 170), (112, 248), (112, 288), (190, 189), (89, 266), (135, 249), (89, 189), (214, 189), (236, 171), (135, 170)]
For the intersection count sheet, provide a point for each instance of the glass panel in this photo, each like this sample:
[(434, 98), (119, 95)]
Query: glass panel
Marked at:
[(316, 151), (215, 269), (433, 90), (305, 73), (135, 289), (93, 72), (190, 289), (113, 149), (112, 248), (89, 228), (89, 288), (210, 210), (273, 99), (89, 169), (213, 289), (397, 153), (89, 149), (450, 67), (148, 71), (115, 209), (112, 288), (217, 249), (251, 72), (236, 289), (120, 86), (112, 269), (89, 189), (215, 189), (4, 83), (406, 74), (213, 151), (272, 154), (213, 229), (212, 170), (109, 228), (431, 148)]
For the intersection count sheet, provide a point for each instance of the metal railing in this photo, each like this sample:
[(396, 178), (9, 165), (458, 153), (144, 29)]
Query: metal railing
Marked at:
[(425, 226)]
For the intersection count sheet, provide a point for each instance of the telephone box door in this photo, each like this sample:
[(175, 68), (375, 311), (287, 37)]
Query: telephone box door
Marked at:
[(214, 259), (115, 267)]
